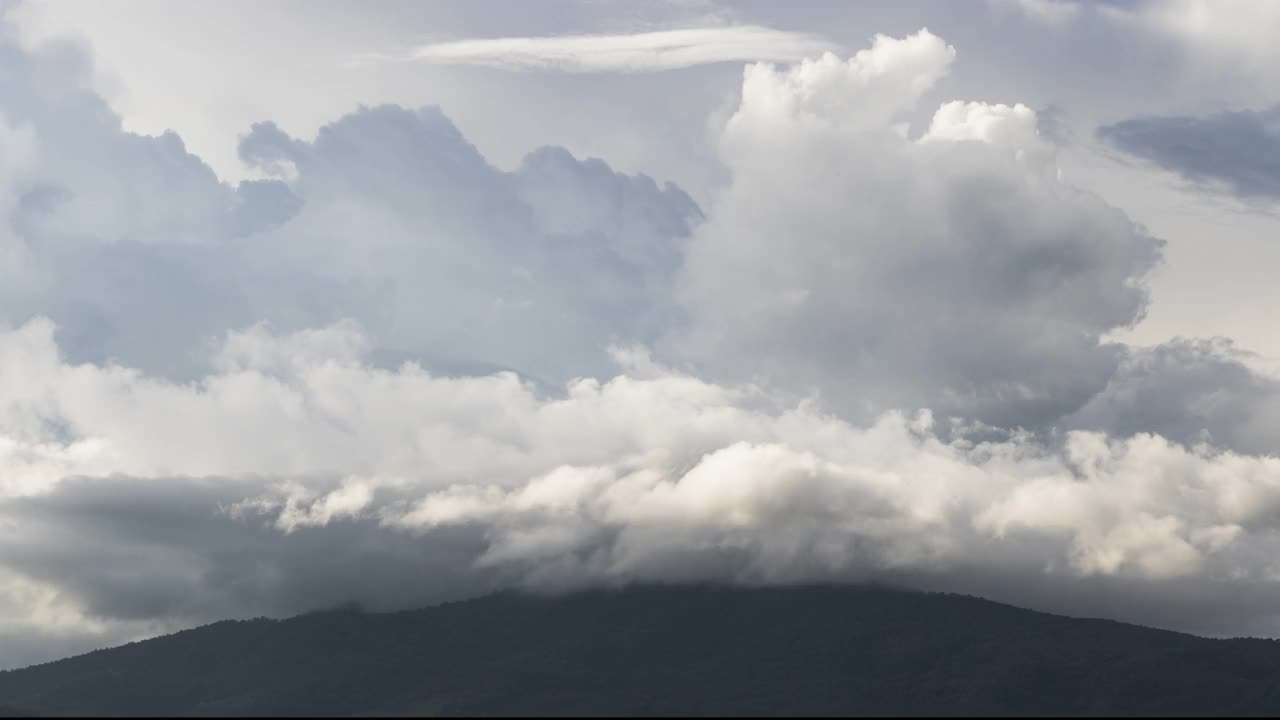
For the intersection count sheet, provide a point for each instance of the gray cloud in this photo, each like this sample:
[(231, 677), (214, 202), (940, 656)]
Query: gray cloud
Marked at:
[(1189, 391), (1238, 151), (137, 549), (389, 217), (141, 556)]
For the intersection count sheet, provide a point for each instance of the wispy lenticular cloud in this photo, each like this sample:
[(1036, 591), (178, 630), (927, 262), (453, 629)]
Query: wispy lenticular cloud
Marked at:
[(624, 53)]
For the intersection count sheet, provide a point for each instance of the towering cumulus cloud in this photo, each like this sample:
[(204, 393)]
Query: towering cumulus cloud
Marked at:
[(391, 373), (952, 270)]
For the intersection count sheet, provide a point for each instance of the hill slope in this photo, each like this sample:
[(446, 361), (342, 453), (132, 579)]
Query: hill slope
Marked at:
[(667, 650)]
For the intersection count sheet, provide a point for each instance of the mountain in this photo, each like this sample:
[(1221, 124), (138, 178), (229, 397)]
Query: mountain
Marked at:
[(666, 650)]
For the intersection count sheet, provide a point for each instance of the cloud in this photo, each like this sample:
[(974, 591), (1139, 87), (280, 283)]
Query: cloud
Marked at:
[(392, 373), (406, 228), (1191, 391), (954, 271), (269, 487), (626, 53), (1051, 12), (1224, 37), (1236, 151), (389, 217)]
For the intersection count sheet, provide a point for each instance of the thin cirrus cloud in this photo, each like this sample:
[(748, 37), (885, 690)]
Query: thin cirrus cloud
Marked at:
[(618, 53)]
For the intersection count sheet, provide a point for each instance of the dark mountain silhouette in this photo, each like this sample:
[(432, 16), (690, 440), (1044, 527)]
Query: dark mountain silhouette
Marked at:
[(667, 650)]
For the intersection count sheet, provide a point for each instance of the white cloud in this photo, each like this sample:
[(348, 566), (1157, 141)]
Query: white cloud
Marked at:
[(626, 53), (1012, 126), (866, 90), (955, 272)]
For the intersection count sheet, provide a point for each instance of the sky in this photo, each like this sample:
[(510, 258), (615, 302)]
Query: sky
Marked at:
[(390, 303)]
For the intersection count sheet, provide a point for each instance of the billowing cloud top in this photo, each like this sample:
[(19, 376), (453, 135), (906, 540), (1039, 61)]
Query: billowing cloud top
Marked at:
[(952, 271), (878, 353)]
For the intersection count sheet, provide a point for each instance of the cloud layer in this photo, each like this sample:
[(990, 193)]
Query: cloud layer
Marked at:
[(270, 486), (392, 373)]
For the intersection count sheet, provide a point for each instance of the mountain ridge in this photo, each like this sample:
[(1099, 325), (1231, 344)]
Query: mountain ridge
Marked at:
[(811, 650)]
